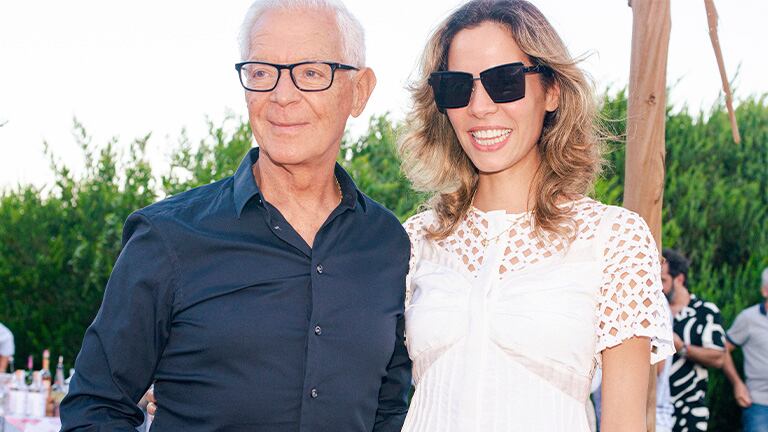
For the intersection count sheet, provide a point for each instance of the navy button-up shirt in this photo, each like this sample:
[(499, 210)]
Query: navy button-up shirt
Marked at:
[(242, 326)]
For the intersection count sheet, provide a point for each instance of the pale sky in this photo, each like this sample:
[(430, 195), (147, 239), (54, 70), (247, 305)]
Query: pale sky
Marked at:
[(124, 69)]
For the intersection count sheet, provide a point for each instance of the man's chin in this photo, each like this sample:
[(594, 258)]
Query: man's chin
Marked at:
[(670, 295), (291, 156)]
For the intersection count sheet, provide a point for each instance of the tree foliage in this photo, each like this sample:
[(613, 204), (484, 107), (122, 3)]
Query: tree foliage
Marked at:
[(58, 243)]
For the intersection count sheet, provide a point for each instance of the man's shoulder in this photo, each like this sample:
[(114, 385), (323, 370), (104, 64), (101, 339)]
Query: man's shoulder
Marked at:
[(383, 217), (5, 332), (750, 313), (188, 206), (702, 306)]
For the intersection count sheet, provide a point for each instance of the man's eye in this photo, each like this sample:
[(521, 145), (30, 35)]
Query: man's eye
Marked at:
[(260, 74), (313, 74)]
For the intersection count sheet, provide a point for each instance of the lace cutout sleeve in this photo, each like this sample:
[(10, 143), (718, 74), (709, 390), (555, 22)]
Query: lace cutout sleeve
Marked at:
[(414, 226), (631, 302)]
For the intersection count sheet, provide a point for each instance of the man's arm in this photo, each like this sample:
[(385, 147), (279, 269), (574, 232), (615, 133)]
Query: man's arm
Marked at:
[(707, 357), (3, 363), (393, 396), (738, 335), (740, 391), (121, 348)]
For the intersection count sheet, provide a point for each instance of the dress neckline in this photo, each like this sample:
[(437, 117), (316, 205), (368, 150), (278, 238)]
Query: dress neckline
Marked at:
[(503, 213)]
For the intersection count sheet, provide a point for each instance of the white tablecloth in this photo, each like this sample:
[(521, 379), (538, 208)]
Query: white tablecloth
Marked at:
[(24, 424)]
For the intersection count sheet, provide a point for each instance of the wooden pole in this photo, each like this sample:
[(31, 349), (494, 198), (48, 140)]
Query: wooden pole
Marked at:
[(712, 21), (646, 114)]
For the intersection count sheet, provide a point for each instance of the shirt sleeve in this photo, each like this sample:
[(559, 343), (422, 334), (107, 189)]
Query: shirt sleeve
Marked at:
[(122, 346), (738, 333), (395, 388), (713, 334), (7, 347), (631, 302), (396, 385)]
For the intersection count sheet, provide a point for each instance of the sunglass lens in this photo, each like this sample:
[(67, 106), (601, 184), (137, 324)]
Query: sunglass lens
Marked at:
[(451, 89), (505, 83)]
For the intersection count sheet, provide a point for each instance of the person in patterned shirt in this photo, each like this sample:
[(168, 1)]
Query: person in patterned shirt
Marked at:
[(700, 343)]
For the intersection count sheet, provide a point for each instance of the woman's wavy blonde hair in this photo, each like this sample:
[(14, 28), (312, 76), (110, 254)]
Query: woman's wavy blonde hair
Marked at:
[(571, 140)]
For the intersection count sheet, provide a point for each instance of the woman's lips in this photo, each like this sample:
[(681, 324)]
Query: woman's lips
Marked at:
[(489, 139)]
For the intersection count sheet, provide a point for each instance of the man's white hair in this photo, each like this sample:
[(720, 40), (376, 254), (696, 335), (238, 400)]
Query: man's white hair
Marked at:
[(352, 34), (765, 277)]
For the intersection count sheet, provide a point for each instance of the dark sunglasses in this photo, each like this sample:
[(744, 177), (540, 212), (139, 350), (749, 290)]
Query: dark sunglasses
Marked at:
[(503, 83)]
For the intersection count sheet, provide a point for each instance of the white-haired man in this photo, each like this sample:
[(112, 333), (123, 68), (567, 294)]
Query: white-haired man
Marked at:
[(271, 300), (750, 332)]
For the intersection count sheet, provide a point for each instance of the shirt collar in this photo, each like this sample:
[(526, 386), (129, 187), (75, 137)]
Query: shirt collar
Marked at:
[(245, 187)]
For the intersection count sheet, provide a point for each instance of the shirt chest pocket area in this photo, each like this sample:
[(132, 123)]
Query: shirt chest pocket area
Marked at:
[(240, 318)]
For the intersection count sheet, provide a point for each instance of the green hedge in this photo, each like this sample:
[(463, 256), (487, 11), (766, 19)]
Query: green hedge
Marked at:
[(58, 243)]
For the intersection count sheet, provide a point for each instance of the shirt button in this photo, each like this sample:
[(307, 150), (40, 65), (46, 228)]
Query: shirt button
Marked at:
[(318, 330), (319, 269), (313, 393)]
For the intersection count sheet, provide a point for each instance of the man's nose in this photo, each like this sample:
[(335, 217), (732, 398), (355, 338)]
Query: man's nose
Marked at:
[(285, 92)]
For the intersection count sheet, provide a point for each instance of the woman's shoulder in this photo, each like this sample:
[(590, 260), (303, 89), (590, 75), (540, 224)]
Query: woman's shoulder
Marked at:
[(613, 216), (417, 225)]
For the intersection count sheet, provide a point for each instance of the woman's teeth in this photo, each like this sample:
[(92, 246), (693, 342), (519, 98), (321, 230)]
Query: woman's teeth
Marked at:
[(489, 137)]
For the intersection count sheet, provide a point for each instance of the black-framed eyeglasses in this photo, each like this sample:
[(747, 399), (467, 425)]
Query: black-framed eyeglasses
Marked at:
[(308, 76), (503, 83)]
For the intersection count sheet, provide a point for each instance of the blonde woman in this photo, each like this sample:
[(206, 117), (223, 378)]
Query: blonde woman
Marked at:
[(520, 285)]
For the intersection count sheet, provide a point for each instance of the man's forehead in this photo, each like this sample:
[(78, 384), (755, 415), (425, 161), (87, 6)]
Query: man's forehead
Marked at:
[(664, 268), (300, 34)]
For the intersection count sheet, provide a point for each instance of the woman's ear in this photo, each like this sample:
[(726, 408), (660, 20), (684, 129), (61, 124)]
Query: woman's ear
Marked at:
[(553, 97)]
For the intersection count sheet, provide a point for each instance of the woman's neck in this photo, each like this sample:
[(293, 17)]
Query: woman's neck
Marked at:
[(511, 190)]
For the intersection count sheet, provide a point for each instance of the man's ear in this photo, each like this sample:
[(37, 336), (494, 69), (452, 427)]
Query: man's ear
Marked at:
[(362, 87), (680, 280)]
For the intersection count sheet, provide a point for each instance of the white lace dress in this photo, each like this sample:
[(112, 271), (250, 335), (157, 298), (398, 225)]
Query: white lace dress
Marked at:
[(506, 337)]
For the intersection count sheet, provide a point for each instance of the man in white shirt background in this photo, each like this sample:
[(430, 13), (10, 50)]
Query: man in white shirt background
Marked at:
[(7, 347)]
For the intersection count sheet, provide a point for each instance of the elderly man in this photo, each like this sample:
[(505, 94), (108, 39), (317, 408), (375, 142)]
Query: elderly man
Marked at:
[(750, 332), (271, 300)]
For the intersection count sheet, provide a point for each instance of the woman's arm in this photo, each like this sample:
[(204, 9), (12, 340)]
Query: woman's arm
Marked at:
[(625, 386)]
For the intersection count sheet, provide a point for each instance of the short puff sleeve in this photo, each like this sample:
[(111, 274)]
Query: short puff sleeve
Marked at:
[(631, 302)]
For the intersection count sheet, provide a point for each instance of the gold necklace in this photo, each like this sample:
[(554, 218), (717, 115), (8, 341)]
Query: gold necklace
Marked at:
[(338, 186), (486, 241)]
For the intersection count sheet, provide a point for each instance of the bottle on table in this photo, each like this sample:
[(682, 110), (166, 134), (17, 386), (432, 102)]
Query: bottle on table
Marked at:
[(17, 394), (59, 388), (69, 378), (30, 368), (36, 397), (45, 376)]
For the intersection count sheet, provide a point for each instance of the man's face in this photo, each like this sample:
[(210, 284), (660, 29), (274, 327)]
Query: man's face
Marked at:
[(667, 282), (293, 127)]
